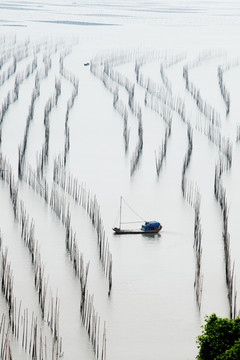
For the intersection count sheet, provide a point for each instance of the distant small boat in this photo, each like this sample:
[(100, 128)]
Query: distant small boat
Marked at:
[(86, 64), (149, 227)]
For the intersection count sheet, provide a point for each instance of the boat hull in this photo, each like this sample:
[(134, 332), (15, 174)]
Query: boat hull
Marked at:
[(126, 232)]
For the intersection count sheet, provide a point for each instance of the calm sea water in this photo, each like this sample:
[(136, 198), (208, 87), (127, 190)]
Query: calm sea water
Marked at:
[(152, 311)]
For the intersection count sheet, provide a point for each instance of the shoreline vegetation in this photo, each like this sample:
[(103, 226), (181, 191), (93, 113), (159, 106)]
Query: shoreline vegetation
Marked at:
[(220, 339)]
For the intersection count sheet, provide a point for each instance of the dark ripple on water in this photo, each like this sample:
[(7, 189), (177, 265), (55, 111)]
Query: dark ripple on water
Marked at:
[(69, 22)]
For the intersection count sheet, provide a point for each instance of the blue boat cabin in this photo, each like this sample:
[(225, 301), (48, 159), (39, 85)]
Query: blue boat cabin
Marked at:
[(151, 225)]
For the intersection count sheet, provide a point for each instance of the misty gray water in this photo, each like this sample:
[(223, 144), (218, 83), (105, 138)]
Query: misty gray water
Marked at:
[(155, 309)]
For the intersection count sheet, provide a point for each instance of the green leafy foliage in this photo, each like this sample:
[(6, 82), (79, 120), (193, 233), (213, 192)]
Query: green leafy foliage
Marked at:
[(220, 339)]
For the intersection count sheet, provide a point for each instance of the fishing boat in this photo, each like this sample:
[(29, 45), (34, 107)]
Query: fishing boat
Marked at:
[(149, 227)]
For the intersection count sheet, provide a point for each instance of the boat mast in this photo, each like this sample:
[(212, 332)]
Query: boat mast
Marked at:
[(120, 217)]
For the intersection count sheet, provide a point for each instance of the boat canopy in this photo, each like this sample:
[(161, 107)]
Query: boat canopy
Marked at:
[(151, 225)]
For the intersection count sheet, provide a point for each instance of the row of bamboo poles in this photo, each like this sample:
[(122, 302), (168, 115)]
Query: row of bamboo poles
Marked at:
[(27, 234), (40, 75), (12, 95), (165, 62), (5, 75), (47, 63), (58, 205), (112, 79), (50, 104), (36, 182), (224, 92), (192, 196), (15, 53), (89, 203), (220, 195), (162, 152), (6, 280), (90, 317), (225, 148), (206, 109), (7, 44), (164, 77), (132, 94), (238, 133), (212, 124), (187, 158), (223, 144), (40, 280), (223, 89), (5, 340), (119, 106), (92, 322), (139, 146), (166, 114), (42, 158), (135, 108), (23, 326), (162, 93), (161, 100), (198, 250), (211, 130), (22, 148), (75, 83)]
